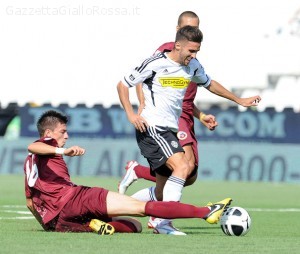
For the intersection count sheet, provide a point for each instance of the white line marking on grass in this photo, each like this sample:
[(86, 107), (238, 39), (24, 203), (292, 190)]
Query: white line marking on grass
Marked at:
[(279, 210), (19, 212), (13, 206), (3, 209), (17, 218)]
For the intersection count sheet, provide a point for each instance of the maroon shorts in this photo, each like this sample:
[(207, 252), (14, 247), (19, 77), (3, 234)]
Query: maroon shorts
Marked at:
[(87, 203), (186, 135)]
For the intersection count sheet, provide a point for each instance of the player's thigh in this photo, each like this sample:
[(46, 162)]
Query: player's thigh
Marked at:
[(121, 205)]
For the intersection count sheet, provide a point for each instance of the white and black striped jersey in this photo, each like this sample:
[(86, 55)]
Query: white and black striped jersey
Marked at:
[(164, 84)]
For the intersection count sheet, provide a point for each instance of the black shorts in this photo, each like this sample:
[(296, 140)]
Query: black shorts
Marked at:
[(157, 144)]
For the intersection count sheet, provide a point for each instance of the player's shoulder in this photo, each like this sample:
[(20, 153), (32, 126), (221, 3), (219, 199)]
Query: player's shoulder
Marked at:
[(166, 46), (153, 61), (194, 63)]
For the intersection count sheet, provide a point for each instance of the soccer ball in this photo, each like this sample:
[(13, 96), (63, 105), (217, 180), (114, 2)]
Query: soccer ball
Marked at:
[(235, 221)]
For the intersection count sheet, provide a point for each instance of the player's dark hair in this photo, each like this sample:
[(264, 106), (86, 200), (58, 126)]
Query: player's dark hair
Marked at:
[(186, 14), (189, 33), (49, 120)]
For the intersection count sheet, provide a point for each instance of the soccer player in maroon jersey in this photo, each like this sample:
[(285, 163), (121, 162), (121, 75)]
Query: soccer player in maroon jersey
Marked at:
[(60, 205)]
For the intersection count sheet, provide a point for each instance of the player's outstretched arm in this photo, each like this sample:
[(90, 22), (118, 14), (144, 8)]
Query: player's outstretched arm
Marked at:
[(74, 151), (44, 149), (216, 88)]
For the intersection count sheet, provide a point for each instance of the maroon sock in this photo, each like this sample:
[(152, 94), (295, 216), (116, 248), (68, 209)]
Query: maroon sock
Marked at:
[(173, 210), (144, 172), (123, 226)]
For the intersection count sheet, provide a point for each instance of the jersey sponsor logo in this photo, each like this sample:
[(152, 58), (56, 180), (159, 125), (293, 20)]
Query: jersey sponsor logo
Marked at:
[(175, 82), (174, 144), (181, 135)]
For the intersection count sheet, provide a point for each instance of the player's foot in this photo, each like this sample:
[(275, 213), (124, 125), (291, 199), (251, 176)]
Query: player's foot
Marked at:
[(153, 222), (166, 227), (216, 210), (129, 177), (101, 227)]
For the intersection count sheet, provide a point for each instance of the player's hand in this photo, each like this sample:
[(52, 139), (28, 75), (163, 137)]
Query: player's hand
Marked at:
[(74, 151), (139, 122), (249, 102), (209, 121)]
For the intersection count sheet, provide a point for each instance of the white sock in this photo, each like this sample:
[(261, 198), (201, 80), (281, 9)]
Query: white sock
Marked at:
[(147, 194), (173, 189)]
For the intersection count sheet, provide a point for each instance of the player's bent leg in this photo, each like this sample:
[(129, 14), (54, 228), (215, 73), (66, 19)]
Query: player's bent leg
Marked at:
[(179, 165), (129, 178), (126, 225), (173, 188)]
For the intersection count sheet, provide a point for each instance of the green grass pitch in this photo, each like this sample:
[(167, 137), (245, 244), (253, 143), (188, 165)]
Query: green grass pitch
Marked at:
[(273, 207)]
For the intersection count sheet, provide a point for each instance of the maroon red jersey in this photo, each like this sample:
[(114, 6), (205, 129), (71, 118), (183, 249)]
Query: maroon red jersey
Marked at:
[(190, 94), (47, 182)]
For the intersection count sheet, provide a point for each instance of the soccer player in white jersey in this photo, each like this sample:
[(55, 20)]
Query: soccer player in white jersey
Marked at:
[(186, 135), (165, 78)]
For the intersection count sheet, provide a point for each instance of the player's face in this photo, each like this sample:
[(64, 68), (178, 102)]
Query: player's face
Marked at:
[(60, 134), (188, 51)]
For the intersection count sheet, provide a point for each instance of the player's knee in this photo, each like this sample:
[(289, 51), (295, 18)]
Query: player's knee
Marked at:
[(182, 170)]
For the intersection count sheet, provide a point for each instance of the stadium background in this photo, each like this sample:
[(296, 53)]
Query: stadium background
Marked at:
[(70, 56)]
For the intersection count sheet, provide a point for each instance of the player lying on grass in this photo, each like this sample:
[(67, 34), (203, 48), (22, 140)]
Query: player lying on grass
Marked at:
[(61, 205)]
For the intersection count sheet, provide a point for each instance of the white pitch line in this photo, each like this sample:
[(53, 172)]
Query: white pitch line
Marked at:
[(13, 206), (279, 210), (17, 218), (19, 212)]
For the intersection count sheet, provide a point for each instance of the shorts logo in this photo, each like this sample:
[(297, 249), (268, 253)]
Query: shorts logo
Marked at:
[(131, 77), (174, 144), (181, 135)]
